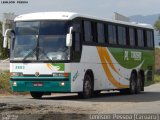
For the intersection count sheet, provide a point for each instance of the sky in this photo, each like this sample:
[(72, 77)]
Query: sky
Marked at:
[(99, 8)]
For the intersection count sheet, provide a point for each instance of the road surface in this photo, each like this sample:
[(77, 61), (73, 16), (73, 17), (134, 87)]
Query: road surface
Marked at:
[(70, 104)]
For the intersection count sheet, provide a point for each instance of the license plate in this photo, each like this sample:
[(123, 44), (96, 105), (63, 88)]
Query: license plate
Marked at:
[(39, 84)]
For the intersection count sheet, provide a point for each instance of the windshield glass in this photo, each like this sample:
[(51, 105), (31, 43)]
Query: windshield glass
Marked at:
[(27, 28), (53, 47), (23, 45), (40, 40), (53, 28)]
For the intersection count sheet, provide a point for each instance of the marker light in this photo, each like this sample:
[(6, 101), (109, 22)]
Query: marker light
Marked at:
[(66, 74), (55, 74), (16, 74), (60, 74)]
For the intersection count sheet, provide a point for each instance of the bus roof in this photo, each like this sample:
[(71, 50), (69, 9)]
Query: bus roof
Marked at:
[(70, 16)]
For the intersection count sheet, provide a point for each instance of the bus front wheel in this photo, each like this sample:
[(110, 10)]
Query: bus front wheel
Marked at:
[(36, 95), (87, 87)]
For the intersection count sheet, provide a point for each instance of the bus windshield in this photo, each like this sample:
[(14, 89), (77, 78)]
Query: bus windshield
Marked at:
[(40, 40)]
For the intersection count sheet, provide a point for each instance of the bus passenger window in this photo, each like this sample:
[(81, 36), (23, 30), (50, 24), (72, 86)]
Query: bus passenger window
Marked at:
[(149, 39), (132, 37), (121, 35), (140, 37), (112, 34), (87, 31), (100, 33)]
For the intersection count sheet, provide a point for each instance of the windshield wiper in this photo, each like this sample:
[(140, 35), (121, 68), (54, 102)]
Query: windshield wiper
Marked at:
[(34, 50), (30, 53), (43, 52)]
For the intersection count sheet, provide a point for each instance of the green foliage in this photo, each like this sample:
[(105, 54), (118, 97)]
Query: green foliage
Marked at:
[(156, 80), (157, 25), (5, 87), (4, 53), (4, 83)]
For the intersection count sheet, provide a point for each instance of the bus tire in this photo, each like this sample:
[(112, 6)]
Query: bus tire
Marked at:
[(142, 81), (36, 95), (139, 84), (133, 80), (142, 87), (87, 87)]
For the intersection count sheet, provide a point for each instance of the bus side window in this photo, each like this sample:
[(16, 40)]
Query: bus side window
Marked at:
[(121, 35), (149, 39), (87, 31), (132, 37), (76, 44), (152, 38), (145, 38), (140, 38), (100, 33), (112, 34)]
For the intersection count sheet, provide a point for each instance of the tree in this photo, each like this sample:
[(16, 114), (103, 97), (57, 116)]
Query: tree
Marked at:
[(157, 25), (3, 52)]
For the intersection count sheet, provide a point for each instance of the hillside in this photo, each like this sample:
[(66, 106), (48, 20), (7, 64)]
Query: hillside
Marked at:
[(150, 19)]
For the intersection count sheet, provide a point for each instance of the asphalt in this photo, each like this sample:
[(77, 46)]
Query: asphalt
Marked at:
[(147, 102)]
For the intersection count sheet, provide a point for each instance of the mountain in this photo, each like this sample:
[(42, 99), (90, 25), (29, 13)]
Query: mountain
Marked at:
[(149, 19)]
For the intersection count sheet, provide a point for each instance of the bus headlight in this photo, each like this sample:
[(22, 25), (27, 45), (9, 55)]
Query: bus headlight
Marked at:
[(62, 83), (16, 74), (14, 83)]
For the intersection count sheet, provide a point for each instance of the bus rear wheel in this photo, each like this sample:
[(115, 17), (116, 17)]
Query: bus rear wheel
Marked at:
[(133, 84), (139, 85), (87, 87), (36, 95)]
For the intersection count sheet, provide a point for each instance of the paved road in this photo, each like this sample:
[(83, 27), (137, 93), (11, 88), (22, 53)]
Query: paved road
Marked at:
[(105, 103)]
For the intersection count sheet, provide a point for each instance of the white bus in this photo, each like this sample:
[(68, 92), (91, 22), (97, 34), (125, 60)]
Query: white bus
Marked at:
[(67, 52)]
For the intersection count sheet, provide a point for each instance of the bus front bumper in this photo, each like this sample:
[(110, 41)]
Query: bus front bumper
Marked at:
[(24, 84)]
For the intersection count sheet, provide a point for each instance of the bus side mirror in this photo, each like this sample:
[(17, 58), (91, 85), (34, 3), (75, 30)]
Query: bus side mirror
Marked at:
[(69, 40), (5, 42), (69, 37), (7, 35)]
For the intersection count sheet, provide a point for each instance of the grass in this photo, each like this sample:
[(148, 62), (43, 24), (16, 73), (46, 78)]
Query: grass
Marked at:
[(156, 78), (5, 86), (4, 83)]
